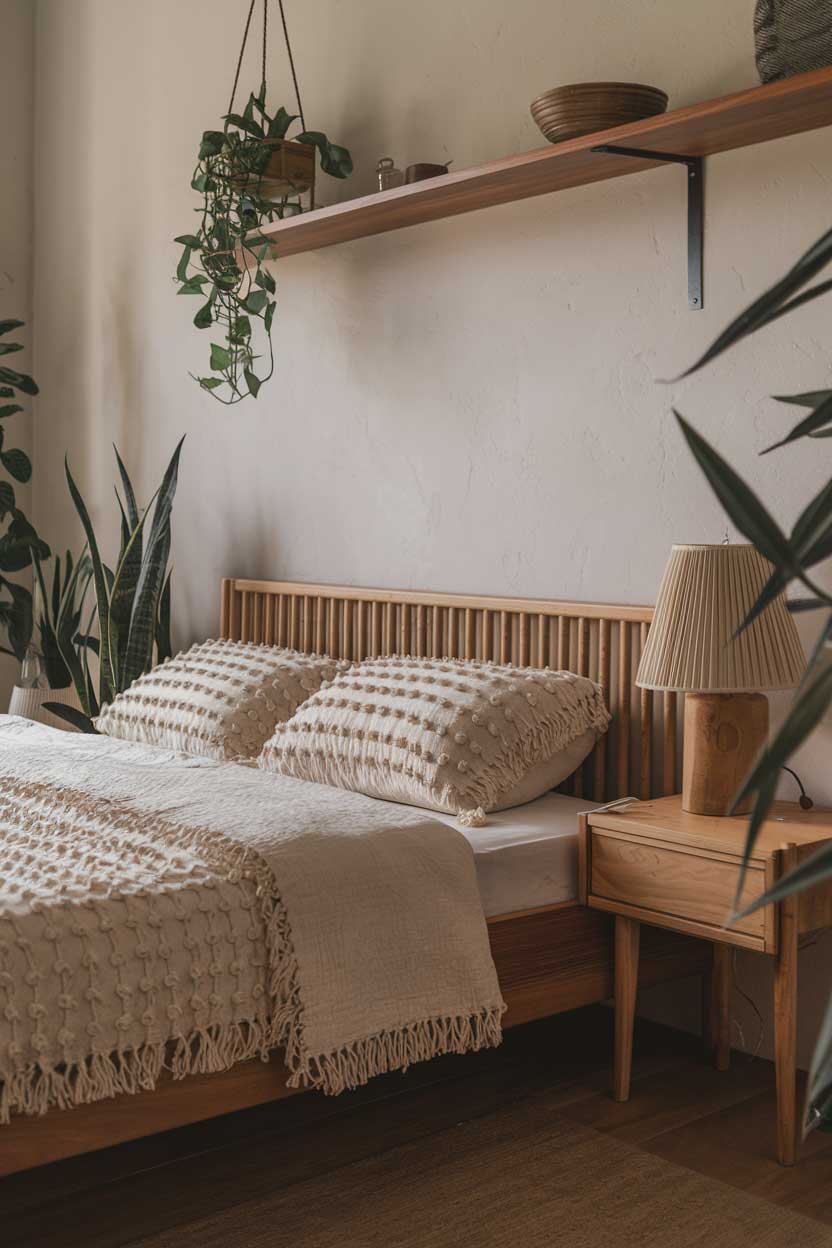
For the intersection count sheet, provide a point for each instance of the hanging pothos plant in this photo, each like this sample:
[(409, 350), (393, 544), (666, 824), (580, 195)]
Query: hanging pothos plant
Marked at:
[(248, 174)]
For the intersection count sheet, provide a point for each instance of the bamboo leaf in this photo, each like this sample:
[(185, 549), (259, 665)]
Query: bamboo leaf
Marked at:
[(814, 870), (811, 541), (812, 522), (820, 416), (806, 712), (773, 588), (765, 308), (819, 1089), (762, 805), (821, 550), (739, 501), (798, 605), (811, 398)]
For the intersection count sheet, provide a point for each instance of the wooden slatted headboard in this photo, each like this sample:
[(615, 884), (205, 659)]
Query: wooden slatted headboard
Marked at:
[(638, 756)]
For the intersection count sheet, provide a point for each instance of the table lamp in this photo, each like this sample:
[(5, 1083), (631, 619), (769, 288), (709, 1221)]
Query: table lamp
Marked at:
[(693, 648)]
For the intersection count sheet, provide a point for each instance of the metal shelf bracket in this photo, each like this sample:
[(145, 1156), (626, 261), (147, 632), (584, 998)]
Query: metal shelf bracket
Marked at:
[(696, 210)]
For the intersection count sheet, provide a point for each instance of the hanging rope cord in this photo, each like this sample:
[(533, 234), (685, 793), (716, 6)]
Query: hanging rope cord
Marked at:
[(291, 59), (240, 57), (263, 59)]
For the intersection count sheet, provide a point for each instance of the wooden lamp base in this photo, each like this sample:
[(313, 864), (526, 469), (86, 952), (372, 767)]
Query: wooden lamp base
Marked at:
[(724, 734)]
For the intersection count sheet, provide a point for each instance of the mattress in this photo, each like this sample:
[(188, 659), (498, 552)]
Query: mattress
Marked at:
[(526, 856)]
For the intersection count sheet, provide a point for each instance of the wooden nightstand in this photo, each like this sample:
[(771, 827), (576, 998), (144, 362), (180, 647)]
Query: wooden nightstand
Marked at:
[(651, 862)]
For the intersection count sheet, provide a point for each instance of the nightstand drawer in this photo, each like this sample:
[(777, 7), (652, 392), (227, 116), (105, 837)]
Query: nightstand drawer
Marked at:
[(660, 881)]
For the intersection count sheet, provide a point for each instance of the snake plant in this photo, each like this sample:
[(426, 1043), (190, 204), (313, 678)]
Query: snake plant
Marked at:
[(794, 557), (19, 540), (132, 602), (58, 612)]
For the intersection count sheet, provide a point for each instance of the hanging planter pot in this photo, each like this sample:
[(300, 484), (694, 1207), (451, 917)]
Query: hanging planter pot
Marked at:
[(791, 37), (249, 173), (289, 171)]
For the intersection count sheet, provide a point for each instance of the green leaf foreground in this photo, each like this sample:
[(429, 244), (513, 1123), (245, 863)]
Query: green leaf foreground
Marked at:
[(224, 257), (793, 558), (739, 501), (774, 302), (816, 420)]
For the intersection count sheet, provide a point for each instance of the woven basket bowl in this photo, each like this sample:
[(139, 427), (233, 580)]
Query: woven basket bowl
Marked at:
[(583, 108)]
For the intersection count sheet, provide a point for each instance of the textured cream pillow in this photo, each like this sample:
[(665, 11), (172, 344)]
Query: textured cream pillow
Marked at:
[(445, 734), (220, 699)]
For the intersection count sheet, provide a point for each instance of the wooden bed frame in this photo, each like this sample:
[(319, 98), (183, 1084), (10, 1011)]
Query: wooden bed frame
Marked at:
[(549, 959)]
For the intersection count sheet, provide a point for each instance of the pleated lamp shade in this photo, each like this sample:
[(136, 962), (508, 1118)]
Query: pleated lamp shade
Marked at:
[(706, 594)]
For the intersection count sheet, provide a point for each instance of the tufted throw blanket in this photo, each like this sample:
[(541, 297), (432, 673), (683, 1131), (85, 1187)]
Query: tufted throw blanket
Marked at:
[(162, 911)]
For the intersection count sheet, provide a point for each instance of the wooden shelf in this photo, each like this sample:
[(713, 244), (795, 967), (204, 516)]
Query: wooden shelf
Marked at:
[(733, 121)]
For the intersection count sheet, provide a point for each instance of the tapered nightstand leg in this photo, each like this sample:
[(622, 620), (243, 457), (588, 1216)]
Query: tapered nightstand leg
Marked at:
[(627, 932), (785, 1024), (716, 1007)]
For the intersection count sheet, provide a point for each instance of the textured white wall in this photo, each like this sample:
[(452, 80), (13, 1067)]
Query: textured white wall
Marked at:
[(16, 109), (467, 405)]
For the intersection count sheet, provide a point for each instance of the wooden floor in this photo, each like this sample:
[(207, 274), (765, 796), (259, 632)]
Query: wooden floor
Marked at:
[(719, 1124)]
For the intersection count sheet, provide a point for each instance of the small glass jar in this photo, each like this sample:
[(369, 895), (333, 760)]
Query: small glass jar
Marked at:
[(32, 674), (388, 175)]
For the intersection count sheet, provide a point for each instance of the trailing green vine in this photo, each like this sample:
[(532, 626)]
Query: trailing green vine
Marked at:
[(222, 260)]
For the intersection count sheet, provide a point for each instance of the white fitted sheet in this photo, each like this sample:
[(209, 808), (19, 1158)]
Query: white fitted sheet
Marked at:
[(526, 856)]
